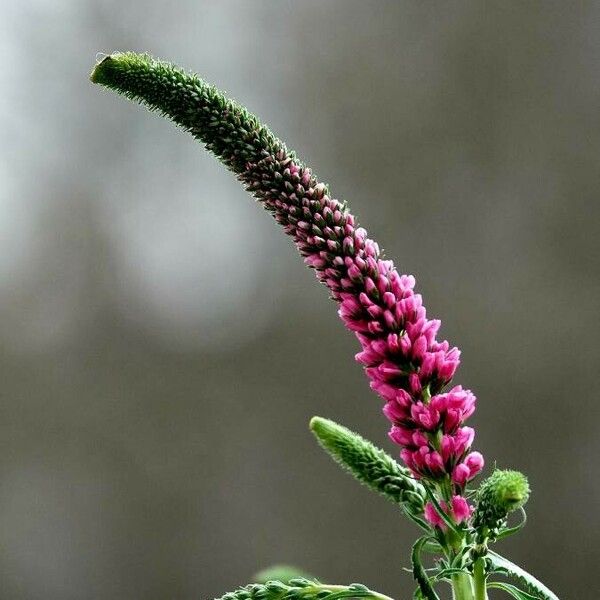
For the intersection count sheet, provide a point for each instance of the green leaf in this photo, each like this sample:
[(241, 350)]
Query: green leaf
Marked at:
[(532, 584), (433, 547), (283, 573), (417, 594), (461, 558), (507, 531), (448, 572), (515, 592), (372, 467), (419, 572)]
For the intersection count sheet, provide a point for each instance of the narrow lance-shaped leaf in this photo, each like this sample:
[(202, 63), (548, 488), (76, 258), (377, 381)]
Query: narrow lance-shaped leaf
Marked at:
[(370, 465), (512, 590), (532, 584), (419, 573)]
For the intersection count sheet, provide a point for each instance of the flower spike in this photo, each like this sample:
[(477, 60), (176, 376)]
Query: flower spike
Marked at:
[(406, 364)]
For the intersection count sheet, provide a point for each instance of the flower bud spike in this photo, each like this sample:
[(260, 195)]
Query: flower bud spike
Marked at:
[(301, 589), (370, 465)]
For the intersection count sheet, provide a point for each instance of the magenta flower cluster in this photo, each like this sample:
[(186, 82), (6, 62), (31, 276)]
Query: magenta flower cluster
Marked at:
[(406, 364)]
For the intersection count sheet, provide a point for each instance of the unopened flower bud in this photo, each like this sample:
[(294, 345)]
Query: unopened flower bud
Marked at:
[(500, 494)]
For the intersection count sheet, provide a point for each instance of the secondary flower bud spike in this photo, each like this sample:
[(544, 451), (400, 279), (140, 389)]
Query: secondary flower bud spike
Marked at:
[(407, 366), (369, 464)]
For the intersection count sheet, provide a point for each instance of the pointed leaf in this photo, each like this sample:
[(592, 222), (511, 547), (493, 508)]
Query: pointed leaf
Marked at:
[(419, 572), (417, 594), (515, 592), (507, 531), (532, 584), (447, 573)]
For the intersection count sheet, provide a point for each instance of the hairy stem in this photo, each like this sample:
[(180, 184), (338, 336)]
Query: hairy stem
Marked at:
[(461, 587), (479, 580)]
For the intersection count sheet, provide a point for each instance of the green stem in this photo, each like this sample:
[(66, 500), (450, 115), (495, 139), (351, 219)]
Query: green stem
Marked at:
[(479, 580), (461, 587)]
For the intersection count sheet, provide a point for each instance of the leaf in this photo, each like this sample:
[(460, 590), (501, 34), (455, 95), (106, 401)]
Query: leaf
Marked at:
[(419, 572), (417, 595), (284, 573), (512, 530), (433, 547), (515, 592), (529, 581), (371, 466), (459, 560), (447, 573)]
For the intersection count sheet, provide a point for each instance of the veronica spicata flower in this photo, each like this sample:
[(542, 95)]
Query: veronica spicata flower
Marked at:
[(406, 364)]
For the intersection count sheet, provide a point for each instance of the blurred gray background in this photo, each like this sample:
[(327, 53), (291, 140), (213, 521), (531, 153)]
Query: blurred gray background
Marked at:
[(163, 347)]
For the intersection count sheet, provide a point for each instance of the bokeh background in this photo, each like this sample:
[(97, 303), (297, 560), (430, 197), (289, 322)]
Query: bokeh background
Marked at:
[(163, 347)]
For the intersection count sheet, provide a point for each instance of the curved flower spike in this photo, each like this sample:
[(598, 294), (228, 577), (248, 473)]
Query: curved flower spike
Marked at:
[(406, 364)]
